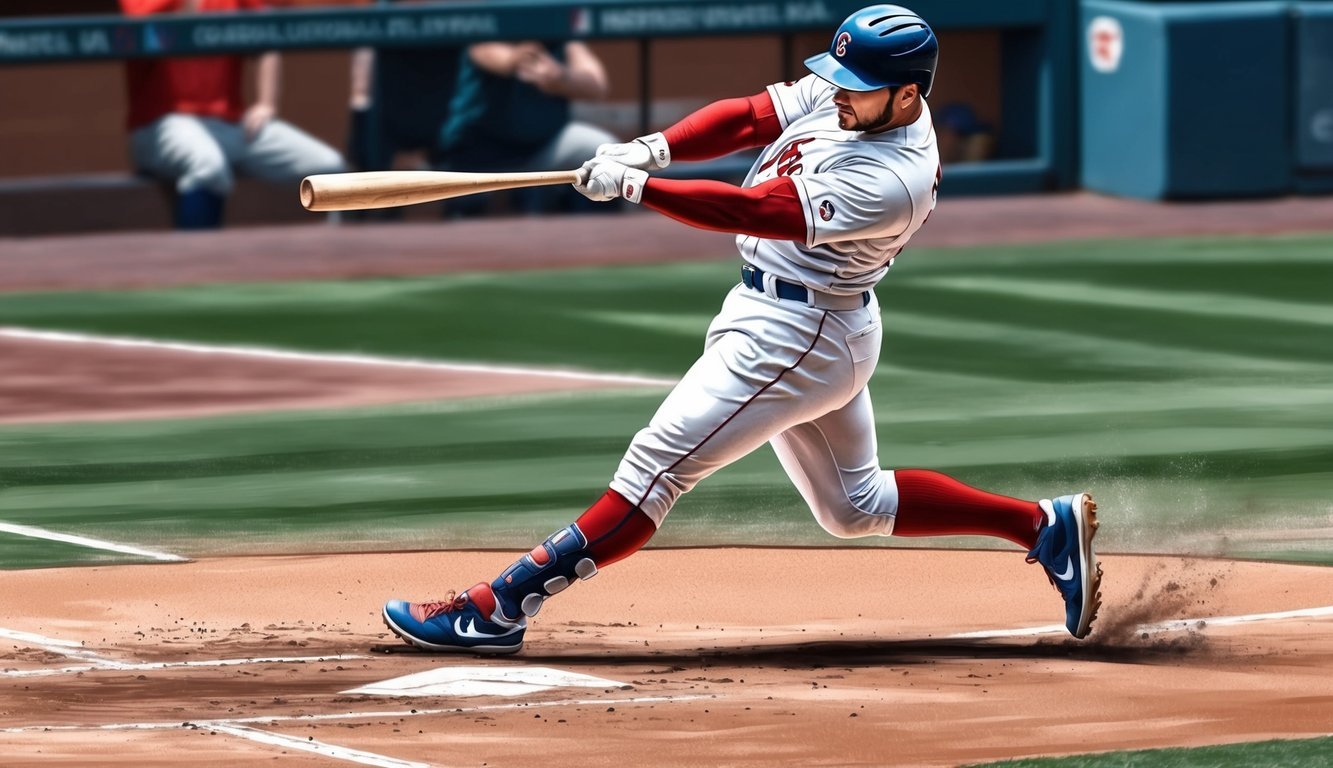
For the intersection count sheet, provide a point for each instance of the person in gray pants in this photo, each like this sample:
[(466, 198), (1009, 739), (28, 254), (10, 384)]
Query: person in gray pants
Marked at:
[(188, 124)]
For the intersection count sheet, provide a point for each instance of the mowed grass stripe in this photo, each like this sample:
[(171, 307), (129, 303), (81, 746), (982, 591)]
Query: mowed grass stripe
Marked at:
[(1188, 302)]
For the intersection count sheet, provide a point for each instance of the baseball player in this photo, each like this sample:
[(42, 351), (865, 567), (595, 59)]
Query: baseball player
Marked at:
[(848, 173), (188, 124)]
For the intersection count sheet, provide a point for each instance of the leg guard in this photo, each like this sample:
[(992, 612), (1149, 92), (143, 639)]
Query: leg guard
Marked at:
[(549, 568)]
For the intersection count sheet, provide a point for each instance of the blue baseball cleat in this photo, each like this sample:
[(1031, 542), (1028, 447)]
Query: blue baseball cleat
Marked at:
[(1064, 549), (463, 624)]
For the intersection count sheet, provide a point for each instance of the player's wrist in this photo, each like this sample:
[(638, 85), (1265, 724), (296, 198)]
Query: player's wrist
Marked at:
[(659, 152), (632, 184)]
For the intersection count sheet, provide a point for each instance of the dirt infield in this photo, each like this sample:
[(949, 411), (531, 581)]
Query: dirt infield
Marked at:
[(44, 381), (721, 662)]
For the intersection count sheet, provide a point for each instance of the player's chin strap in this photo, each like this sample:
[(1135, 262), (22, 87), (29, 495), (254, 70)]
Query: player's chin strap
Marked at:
[(549, 568)]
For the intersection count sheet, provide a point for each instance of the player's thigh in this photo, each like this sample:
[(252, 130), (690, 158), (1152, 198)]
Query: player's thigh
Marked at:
[(573, 146), (741, 392), (282, 151), (181, 147)]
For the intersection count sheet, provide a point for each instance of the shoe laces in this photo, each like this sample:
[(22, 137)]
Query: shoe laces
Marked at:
[(452, 602)]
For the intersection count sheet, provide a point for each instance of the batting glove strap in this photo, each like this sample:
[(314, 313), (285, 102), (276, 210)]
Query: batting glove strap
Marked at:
[(657, 146), (631, 186)]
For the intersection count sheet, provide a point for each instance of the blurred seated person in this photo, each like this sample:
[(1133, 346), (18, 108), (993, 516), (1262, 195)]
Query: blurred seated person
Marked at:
[(511, 112), (399, 100), (961, 136), (188, 124)]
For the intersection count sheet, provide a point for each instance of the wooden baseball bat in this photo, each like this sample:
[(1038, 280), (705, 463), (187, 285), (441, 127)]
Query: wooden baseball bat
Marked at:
[(386, 189)]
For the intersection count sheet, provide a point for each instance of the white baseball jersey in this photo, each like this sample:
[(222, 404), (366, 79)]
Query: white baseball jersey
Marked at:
[(865, 194), (785, 371)]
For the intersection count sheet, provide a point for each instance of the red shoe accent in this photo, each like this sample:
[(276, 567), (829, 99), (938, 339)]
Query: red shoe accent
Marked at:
[(934, 504), (615, 529), (481, 596)]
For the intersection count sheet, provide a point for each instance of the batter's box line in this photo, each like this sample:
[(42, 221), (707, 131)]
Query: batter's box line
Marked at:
[(121, 666), (1174, 625), (399, 713)]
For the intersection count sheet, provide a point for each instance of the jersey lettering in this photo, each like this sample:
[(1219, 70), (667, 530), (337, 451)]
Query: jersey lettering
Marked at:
[(788, 160)]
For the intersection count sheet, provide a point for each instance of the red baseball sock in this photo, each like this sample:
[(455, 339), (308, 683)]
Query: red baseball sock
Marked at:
[(933, 504), (615, 529)]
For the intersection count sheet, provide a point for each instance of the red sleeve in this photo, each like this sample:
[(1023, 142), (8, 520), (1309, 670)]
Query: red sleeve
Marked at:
[(724, 127), (145, 7), (770, 210)]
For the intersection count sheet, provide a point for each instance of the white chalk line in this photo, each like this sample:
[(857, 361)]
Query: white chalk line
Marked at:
[(66, 648), (269, 353), (309, 745), (1165, 626), (83, 541), (158, 665), (397, 713)]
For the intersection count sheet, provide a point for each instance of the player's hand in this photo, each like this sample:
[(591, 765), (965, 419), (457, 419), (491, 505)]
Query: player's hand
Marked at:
[(602, 180), (255, 118), (645, 153)]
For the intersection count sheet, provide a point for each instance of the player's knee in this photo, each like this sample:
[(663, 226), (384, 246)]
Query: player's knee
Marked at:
[(852, 516)]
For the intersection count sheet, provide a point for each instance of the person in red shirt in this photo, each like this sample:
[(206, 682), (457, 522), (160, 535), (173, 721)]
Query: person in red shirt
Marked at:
[(188, 123)]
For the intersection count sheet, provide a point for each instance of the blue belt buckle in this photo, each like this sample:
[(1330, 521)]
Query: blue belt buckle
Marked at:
[(748, 277)]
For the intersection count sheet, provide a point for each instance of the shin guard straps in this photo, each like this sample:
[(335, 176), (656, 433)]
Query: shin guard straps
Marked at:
[(549, 568)]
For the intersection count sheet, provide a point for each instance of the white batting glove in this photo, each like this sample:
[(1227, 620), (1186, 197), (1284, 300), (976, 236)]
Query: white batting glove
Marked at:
[(645, 153), (604, 180)]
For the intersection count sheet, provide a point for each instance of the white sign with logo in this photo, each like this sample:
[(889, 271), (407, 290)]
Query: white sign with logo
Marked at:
[(1106, 43)]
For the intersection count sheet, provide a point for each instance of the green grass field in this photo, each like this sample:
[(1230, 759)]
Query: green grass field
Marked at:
[(1186, 382), (1306, 753)]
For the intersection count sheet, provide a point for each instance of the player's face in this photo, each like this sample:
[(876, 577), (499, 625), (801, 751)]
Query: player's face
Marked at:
[(875, 110)]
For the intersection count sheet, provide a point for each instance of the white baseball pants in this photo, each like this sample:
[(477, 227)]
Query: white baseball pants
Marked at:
[(781, 372), (200, 152)]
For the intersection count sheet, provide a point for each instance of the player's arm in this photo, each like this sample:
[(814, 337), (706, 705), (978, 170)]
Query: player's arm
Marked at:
[(718, 129), (771, 210), (724, 126)]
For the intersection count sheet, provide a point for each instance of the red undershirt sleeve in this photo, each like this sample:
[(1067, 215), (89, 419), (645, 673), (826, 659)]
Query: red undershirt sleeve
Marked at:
[(771, 210), (724, 127)]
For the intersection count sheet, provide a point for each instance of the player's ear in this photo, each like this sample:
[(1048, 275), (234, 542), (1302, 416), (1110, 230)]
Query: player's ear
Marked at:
[(907, 94)]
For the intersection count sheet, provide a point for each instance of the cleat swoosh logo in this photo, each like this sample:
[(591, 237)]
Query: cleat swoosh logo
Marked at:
[(471, 631), (1068, 572)]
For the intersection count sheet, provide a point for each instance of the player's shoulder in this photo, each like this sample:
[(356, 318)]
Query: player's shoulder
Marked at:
[(811, 89)]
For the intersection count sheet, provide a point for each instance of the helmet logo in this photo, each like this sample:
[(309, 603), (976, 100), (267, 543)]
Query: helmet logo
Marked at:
[(840, 45)]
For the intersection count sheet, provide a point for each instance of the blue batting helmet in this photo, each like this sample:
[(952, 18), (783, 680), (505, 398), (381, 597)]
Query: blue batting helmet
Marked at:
[(880, 46)]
